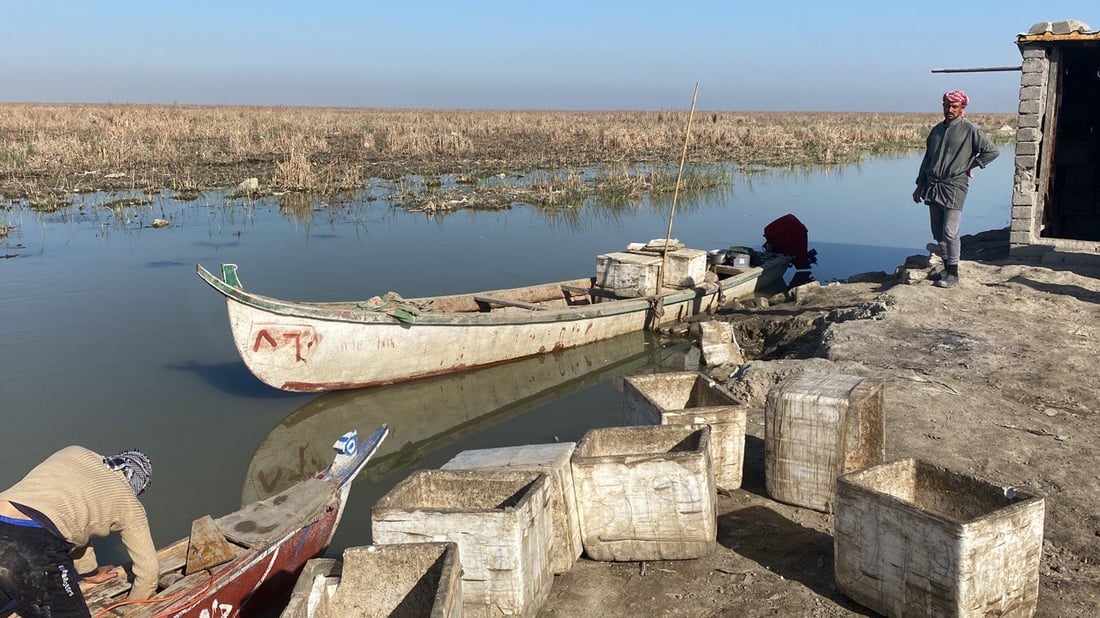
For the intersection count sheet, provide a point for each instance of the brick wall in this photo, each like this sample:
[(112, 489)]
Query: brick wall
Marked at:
[(1026, 206)]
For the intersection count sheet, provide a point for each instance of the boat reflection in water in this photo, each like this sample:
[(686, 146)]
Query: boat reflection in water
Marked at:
[(430, 414)]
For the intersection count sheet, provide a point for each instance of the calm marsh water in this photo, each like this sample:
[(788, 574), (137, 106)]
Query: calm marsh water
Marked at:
[(109, 340)]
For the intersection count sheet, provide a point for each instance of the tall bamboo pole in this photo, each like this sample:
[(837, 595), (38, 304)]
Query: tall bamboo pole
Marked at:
[(676, 193)]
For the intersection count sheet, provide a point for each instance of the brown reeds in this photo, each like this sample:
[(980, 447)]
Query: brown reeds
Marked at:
[(48, 151)]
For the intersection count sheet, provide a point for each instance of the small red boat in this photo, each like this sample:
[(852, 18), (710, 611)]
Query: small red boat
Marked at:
[(266, 543)]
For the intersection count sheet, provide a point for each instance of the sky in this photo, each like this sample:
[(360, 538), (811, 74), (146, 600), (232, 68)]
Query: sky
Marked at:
[(765, 55)]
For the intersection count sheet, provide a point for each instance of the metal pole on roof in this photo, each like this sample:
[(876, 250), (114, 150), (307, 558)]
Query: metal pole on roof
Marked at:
[(978, 70)]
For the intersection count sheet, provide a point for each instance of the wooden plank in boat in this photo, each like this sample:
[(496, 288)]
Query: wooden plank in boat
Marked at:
[(207, 547), (602, 293), (108, 592), (265, 521), (172, 557), (725, 269), (194, 580), (490, 300)]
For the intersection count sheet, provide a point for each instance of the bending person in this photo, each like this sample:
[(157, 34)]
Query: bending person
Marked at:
[(47, 521)]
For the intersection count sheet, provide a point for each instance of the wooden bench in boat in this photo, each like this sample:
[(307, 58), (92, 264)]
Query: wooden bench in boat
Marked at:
[(726, 269), (490, 300), (106, 593), (599, 292), (171, 559)]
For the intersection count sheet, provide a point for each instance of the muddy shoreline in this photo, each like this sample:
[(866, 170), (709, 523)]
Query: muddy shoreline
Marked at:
[(995, 379)]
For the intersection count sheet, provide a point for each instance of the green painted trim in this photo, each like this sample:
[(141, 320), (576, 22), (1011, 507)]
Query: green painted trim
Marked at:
[(229, 273), (350, 313)]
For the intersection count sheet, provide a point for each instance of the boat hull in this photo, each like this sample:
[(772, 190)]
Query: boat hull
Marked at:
[(256, 580), (312, 347), (311, 355)]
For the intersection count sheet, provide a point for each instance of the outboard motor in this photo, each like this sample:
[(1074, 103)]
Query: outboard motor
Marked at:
[(788, 236)]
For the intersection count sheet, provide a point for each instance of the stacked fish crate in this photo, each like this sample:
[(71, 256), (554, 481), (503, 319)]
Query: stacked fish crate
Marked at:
[(501, 522), (690, 397), (636, 272), (818, 426), (910, 538)]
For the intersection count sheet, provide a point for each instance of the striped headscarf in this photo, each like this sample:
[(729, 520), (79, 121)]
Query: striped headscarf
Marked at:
[(135, 465), (956, 96)]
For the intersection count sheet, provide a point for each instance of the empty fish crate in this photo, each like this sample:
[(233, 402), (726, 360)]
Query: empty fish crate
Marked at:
[(818, 426), (645, 493), (552, 459), (690, 397), (407, 580), (501, 522), (914, 539)]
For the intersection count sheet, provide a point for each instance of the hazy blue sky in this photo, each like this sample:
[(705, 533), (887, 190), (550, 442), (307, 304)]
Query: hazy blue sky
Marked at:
[(778, 55)]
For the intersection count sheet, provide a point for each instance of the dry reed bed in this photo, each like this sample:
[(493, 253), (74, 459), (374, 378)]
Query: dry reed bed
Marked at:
[(50, 150)]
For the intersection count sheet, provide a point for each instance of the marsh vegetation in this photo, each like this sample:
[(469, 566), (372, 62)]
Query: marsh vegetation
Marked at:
[(432, 159)]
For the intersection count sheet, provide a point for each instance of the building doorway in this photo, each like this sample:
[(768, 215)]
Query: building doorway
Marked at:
[(1072, 202)]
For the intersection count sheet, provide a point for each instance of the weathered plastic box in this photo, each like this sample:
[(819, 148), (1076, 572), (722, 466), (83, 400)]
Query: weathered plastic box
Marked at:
[(914, 539), (629, 275), (407, 580), (501, 522), (645, 493), (690, 397), (727, 440), (552, 459), (685, 268), (718, 344), (316, 582), (818, 426)]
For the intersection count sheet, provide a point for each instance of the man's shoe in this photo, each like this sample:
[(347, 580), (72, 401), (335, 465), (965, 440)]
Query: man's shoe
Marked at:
[(947, 280), (936, 275)]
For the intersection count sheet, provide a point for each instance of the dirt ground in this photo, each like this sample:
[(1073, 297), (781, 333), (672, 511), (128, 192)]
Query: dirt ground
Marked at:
[(995, 378)]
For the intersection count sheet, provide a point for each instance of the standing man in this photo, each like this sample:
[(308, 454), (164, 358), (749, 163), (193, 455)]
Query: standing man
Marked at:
[(955, 147), (48, 519)]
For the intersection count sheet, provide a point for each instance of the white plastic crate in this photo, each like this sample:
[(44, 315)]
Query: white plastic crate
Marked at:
[(914, 539), (646, 493), (501, 522), (690, 397), (552, 459), (818, 426)]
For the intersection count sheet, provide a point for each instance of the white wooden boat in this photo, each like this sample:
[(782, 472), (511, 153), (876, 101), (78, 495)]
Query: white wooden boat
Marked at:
[(311, 346)]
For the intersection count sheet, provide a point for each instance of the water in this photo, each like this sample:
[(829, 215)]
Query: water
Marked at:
[(110, 341)]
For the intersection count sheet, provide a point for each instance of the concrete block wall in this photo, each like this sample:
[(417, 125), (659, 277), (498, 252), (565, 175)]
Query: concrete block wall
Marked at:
[(1026, 207)]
